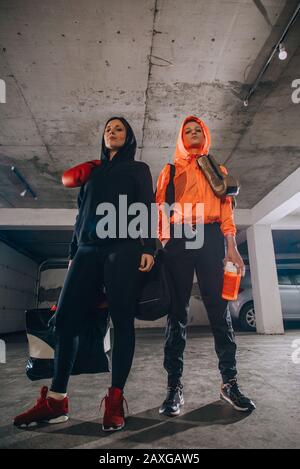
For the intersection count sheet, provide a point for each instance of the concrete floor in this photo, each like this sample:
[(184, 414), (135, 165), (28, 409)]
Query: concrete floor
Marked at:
[(267, 374)]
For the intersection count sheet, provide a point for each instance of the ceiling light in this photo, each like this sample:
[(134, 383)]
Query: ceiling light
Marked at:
[(282, 52), (27, 187)]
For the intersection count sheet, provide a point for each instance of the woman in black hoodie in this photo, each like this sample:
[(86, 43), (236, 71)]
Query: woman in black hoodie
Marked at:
[(114, 261)]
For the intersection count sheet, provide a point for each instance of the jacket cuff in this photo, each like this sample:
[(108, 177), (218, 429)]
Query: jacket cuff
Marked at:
[(148, 250), (149, 246), (226, 233)]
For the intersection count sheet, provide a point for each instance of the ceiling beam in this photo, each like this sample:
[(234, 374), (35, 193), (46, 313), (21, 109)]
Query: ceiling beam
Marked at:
[(280, 202)]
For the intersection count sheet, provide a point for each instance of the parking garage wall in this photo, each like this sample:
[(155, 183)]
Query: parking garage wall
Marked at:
[(18, 280)]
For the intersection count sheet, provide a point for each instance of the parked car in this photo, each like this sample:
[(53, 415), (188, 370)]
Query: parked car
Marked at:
[(289, 287)]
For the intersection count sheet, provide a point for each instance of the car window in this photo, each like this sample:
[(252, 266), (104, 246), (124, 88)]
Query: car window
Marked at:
[(297, 279), (284, 277), (295, 274), (289, 276)]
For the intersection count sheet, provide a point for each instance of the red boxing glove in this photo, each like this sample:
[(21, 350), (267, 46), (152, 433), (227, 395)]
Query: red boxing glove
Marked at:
[(78, 175)]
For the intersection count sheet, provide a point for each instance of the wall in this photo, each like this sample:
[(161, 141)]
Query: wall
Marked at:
[(18, 276)]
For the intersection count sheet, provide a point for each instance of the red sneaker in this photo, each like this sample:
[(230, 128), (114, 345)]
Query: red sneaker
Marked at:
[(46, 409), (114, 412)]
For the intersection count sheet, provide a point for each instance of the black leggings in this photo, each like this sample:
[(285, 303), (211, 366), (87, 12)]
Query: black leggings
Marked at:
[(116, 267)]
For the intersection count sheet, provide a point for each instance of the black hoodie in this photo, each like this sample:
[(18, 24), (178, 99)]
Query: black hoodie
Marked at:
[(120, 176)]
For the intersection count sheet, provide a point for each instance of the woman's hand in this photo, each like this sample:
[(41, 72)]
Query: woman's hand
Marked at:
[(147, 262), (233, 255)]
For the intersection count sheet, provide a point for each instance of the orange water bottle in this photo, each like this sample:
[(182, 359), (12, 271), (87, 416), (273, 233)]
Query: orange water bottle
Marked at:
[(231, 282)]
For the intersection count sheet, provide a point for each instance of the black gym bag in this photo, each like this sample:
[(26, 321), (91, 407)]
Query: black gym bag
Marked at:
[(154, 300), (94, 344), (94, 338)]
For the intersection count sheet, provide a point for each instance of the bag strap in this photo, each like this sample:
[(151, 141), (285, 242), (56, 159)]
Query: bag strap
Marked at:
[(170, 189), (216, 166)]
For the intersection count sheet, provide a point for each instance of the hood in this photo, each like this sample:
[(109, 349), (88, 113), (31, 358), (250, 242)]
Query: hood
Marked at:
[(181, 153), (127, 152)]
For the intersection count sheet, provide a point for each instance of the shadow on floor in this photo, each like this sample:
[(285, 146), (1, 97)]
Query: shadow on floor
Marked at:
[(144, 428)]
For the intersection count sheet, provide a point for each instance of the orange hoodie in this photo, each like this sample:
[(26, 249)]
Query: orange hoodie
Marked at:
[(191, 186)]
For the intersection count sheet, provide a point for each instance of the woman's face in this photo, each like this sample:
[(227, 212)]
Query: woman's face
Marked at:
[(192, 135), (114, 135)]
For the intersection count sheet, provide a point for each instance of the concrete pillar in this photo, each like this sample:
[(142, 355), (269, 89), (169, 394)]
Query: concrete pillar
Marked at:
[(265, 288)]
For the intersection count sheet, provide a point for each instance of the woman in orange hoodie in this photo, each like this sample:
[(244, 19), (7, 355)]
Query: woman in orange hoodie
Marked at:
[(190, 186)]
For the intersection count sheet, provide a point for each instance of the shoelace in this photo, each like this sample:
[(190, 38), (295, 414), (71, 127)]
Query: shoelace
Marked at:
[(236, 391), (41, 400), (172, 391), (115, 405)]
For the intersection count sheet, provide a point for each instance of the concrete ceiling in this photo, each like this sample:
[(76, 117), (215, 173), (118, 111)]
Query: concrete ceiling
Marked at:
[(68, 66), (39, 245)]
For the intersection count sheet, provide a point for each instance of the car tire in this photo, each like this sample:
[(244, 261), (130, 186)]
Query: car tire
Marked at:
[(247, 317)]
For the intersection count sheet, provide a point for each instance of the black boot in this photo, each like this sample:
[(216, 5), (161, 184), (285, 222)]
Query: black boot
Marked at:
[(174, 400), (230, 393)]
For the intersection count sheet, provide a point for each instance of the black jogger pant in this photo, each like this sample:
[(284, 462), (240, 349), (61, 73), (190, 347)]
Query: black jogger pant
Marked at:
[(116, 267), (207, 262)]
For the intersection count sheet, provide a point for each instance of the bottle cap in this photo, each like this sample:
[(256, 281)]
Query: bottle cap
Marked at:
[(230, 267)]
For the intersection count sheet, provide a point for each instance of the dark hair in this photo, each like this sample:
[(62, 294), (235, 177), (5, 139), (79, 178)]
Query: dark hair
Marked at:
[(128, 149)]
